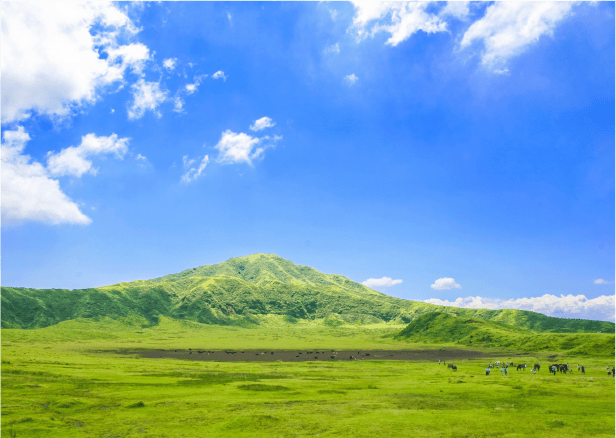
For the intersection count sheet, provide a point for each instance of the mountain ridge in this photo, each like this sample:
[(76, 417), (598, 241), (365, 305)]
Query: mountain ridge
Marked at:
[(236, 291)]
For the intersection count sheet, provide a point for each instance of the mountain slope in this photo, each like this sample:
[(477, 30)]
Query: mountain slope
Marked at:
[(439, 328), (235, 291)]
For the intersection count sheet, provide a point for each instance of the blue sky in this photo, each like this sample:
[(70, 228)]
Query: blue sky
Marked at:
[(460, 153)]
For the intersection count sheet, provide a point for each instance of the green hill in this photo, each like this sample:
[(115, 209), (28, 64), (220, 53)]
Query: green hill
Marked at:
[(238, 290), (439, 328)]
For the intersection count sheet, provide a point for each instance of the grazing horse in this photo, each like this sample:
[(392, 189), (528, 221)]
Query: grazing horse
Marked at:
[(522, 365), (537, 367), (454, 368), (450, 365)]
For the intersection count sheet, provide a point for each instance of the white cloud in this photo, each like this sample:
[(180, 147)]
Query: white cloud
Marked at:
[(380, 282), (28, 193), (178, 104), (333, 49), (351, 79), (132, 55), (170, 63), (455, 9), (399, 19), (229, 17), (74, 159), (574, 306), (445, 283), (602, 281), (238, 148), (141, 157), (146, 96), (262, 123), (508, 28), (191, 88), (50, 56), (192, 172), (220, 75)]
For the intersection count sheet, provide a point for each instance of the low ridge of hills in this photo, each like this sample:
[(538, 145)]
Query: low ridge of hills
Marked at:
[(440, 327), (235, 292)]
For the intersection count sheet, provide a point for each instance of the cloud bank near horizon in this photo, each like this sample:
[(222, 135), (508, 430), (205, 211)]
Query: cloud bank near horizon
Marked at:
[(380, 282), (565, 306)]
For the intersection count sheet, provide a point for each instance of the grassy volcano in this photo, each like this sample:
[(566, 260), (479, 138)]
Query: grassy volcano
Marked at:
[(239, 291)]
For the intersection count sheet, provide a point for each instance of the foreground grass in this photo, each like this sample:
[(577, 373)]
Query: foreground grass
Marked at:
[(67, 381)]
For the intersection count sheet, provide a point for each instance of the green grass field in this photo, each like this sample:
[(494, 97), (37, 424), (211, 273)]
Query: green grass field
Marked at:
[(66, 380)]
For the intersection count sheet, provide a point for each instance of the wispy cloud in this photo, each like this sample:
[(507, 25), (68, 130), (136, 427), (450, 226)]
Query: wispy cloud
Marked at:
[(192, 172), (602, 281), (399, 19), (147, 96), (509, 28), (380, 282), (445, 283), (219, 75), (573, 306)]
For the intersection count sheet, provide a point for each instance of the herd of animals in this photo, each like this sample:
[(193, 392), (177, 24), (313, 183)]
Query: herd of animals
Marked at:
[(560, 367)]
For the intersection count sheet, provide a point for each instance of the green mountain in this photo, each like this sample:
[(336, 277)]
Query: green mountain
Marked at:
[(439, 328), (240, 289)]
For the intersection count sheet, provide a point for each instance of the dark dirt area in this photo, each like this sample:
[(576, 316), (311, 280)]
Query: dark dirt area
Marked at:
[(310, 355)]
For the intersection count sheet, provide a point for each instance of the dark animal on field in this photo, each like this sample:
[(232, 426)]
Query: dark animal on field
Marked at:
[(522, 365), (450, 365), (537, 367), (454, 368), (511, 364)]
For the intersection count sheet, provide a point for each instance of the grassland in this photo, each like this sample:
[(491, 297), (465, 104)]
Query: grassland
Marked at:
[(66, 380)]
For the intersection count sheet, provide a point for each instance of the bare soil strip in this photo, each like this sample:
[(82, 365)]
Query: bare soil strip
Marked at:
[(311, 355)]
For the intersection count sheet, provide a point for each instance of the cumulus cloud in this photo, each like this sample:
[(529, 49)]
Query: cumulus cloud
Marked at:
[(170, 63), (351, 79), (51, 59), (219, 75), (399, 19), (262, 123), (574, 306), (509, 28), (28, 193), (242, 148), (147, 96), (445, 283), (74, 159), (602, 281), (380, 282), (192, 172)]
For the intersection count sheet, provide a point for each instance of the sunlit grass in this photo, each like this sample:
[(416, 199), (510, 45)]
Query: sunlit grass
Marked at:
[(67, 380)]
